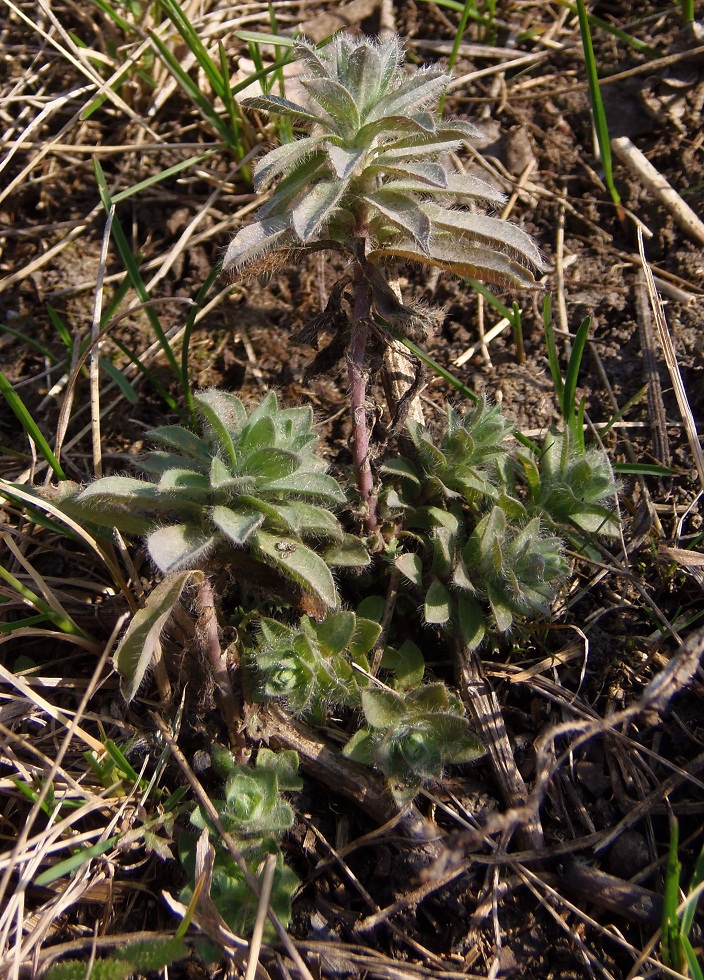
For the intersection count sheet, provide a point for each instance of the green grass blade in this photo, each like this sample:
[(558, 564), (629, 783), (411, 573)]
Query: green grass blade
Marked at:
[(517, 328), (597, 104), (61, 329), (120, 380), (439, 369), (76, 861), (553, 357), (133, 271), (695, 970), (687, 7), (29, 425), (641, 469), (195, 45), (691, 907), (480, 288), (474, 14), (259, 38), (459, 34), (34, 344), (568, 395), (120, 761), (187, 332), (624, 36), (670, 922), (148, 375), (163, 175), (617, 416), (64, 623), (108, 9), (194, 93)]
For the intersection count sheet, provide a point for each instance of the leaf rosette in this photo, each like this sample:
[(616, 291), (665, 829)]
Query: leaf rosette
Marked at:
[(372, 167)]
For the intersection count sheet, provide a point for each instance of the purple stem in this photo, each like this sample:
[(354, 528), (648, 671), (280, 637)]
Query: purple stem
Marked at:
[(210, 640), (358, 395)]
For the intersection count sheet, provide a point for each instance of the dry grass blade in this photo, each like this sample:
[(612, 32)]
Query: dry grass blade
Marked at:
[(670, 354)]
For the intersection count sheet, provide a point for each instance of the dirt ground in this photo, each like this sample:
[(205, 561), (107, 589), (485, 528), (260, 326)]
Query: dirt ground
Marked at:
[(470, 908)]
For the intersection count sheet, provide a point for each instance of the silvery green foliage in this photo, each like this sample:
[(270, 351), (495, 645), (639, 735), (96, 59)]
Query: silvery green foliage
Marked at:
[(485, 550), (413, 736), (574, 487), (256, 815), (249, 482), (373, 167), (412, 729), (309, 665)]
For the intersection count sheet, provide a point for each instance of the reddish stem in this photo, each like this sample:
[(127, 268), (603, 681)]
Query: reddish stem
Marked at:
[(210, 641), (358, 396)]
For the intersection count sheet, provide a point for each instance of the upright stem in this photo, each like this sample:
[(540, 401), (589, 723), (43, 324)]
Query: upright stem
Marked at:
[(358, 394), (210, 641)]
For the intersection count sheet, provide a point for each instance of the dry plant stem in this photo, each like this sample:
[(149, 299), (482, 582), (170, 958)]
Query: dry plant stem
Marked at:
[(483, 705), (358, 394), (210, 640), (350, 780)]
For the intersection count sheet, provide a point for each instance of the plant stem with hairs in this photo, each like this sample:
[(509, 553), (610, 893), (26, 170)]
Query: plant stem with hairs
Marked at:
[(356, 353)]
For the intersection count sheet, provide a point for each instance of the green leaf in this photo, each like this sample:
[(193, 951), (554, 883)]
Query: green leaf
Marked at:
[(137, 649), (407, 664), (364, 75), (471, 621), (411, 567), (500, 608), (344, 159), (237, 526), (495, 231), (254, 241), (421, 89), (182, 440), (285, 159), (179, 546), (336, 631), (403, 470), (438, 604), (471, 262), (118, 488), (312, 522), (348, 553), (403, 213), (313, 210), (281, 107), (382, 708), (366, 634), (270, 464), (429, 177), (336, 101), (186, 482), (225, 415), (298, 562), (360, 747), (316, 485), (285, 764)]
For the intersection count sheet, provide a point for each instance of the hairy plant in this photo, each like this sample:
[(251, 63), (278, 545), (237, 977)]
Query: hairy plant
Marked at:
[(248, 487), (254, 813), (574, 488), (372, 169), (413, 729), (485, 526), (134, 958), (309, 665), (371, 179), (412, 737)]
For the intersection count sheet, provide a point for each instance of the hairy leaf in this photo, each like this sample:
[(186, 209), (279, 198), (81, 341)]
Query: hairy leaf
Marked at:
[(137, 649)]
